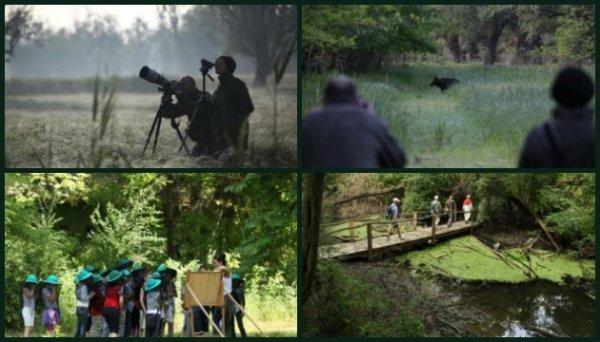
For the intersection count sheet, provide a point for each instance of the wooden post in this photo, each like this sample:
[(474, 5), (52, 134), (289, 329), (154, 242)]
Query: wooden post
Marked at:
[(370, 241), (415, 221), (351, 225), (433, 227)]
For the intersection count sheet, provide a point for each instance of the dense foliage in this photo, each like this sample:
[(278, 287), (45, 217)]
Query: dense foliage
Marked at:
[(149, 218), (362, 37)]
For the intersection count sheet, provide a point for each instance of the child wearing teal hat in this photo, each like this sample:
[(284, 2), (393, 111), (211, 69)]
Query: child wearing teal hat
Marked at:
[(113, 302), (170, 291), (152, 307), (28, 311), (51, 314), (128, 296), (96, 306), (83, 295)]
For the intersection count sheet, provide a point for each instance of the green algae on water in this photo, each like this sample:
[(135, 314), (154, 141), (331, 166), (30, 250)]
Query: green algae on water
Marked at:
[(468, 259)]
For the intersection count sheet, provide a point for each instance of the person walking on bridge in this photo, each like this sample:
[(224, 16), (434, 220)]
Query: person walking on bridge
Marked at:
[(435, 209), (450, 209), (467, 208), (393, 213)]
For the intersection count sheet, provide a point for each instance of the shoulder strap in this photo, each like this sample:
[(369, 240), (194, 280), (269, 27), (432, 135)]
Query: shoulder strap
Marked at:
[(552, 140)]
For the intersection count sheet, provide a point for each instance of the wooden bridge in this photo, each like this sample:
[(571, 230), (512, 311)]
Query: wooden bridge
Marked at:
[(374, 245)]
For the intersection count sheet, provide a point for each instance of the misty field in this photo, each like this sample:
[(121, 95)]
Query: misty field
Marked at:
[(56, 130), (481, 122)]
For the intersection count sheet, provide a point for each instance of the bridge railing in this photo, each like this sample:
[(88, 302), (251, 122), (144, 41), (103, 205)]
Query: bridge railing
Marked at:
[(413, 219)]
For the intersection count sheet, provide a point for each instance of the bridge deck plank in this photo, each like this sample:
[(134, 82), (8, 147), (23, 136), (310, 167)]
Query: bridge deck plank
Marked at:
[(421, 235)]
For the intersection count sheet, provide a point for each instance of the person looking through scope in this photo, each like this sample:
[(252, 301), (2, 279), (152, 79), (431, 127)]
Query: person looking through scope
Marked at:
[(188, 102)]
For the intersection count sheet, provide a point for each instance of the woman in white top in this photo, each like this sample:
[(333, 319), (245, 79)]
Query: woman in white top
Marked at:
[(220, 263)]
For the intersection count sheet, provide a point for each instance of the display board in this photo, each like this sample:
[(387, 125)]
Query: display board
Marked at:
[(207, 287)]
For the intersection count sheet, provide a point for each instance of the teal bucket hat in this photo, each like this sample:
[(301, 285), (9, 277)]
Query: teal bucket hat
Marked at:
[(104, 273), (91, 269), (83, 275), (114, 276), (97, 279), (151, 284), (156, 275), (31, 279), (163, 268), (124, 263), (136, 268), (235, 276), (126, 273), (52, 279)]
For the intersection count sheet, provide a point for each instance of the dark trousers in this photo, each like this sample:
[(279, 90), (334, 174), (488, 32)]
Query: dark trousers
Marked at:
[(239, 316), (216, 317), (200, 319), (127, 328), (153, 325), (82, 321)]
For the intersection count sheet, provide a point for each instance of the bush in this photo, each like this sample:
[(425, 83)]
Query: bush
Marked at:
[(343, 306)]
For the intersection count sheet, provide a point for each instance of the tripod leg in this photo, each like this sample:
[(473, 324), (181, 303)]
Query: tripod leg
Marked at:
[(156, 134), (182, 141), (174, 125), (150, 133)]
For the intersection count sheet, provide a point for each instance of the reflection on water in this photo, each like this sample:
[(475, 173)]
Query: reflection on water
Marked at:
[(531, 309)]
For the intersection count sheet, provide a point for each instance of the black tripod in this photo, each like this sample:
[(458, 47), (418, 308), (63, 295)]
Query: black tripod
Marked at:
[(204, 70), (156, 124)]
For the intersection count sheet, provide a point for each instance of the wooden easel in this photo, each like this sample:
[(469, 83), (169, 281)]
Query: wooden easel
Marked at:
[(204, 288)]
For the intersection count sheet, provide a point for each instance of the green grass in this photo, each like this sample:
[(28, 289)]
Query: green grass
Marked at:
[(469, 259), (275, 316), (481, 122), (56, 129)]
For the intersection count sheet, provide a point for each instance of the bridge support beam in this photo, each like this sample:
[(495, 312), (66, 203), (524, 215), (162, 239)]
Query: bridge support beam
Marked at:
[(370, 241)]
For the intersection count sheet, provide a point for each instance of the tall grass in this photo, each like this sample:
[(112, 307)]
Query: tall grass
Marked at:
[(481, 122), (58, 129)]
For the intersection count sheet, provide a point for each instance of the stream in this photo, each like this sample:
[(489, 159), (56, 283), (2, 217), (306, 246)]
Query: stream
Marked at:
[(523, 310)]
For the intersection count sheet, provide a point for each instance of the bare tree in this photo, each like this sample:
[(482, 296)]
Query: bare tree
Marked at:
[(263, 32), (19, 27)]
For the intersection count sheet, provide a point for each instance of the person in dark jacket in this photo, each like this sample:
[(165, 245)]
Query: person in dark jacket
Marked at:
[(347, 134), (232, 104), (238, 294), (567, 140)]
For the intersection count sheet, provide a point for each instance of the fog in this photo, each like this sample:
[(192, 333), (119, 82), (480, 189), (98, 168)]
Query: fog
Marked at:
[(77, 41)]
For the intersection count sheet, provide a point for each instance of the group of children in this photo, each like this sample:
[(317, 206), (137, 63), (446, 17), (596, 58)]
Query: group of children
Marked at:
[(128, 301)]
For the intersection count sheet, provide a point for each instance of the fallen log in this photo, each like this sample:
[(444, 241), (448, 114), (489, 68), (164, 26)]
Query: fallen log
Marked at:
[(521, 205), (545, 332)]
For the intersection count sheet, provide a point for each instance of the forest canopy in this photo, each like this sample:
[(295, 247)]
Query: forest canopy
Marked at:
[(363, 37)]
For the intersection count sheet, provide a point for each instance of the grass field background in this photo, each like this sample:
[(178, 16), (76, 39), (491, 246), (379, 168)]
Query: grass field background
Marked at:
[(481, 122), (55, 128)]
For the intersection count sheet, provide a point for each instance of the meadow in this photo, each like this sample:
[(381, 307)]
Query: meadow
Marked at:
[(48, 123), (481, 122)]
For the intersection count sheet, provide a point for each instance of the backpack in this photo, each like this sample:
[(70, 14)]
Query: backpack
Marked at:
[(389, 213)]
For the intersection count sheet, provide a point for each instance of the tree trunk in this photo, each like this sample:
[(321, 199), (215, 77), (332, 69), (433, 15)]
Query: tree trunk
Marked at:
[(492, 46), (311, 221), (263, 66), (169, 211), (473, 50), (453, 44)]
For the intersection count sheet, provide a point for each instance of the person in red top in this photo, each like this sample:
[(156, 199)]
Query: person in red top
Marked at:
[(113, 302), (467, 208), (95, 308)]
